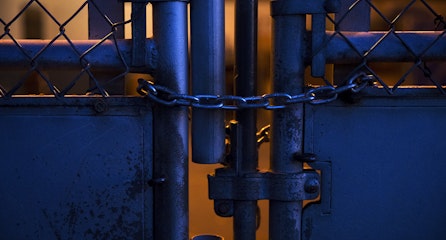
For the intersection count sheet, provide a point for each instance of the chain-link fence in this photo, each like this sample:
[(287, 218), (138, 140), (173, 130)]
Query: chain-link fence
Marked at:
[(397, 42), (44, 51), (61, 64)]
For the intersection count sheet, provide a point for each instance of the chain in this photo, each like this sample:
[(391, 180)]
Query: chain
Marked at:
[(319, 95)]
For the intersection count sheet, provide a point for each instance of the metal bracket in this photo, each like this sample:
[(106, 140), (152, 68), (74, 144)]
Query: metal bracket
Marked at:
[(226, 185), (326, 181)]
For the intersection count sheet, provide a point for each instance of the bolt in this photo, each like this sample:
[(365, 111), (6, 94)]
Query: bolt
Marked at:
[(100, 106), (311, 186)]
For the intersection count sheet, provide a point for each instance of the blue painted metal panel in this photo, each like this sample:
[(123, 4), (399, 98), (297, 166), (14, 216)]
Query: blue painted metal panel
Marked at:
[(70, 173), (384, 170)]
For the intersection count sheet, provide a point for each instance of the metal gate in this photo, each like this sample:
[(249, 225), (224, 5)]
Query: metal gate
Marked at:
[(357, 106)]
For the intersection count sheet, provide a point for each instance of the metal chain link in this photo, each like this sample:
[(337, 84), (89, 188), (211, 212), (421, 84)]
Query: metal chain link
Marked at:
[(319, 95)]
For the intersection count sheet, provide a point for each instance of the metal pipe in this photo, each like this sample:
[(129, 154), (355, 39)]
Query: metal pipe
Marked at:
[(337, 50), (61, 54), (246, 77), (245, 85), (171, 214), (431, 46), (287, 125), (208, 78)]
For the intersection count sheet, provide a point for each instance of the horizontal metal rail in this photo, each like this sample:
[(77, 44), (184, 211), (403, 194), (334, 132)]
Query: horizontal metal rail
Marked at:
[(339, 48), (63, 54), (354, 47)]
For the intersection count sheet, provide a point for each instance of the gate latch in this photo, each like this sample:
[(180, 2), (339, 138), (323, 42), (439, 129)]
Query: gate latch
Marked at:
[(229, 184), (225, 186)]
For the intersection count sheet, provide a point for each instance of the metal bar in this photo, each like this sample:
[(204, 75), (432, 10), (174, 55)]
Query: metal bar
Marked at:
[(246, 76), (61, 54), (37, 101), (287, 125), (317, 40), (171, 215), (208, 77), (430, 46), (245, 82), (139, 32)]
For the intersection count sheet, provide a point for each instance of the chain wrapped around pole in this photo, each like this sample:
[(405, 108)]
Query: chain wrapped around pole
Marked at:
[(272, 101)]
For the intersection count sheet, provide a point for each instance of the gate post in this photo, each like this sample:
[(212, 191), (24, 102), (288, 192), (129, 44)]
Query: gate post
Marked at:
[(171, 215), (287, 124)]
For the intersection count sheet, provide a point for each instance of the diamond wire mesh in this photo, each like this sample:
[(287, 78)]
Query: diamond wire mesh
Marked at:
[(388, 16), (83, 80), (393, 18)]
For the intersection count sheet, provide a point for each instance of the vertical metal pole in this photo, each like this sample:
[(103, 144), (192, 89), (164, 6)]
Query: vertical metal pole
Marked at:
[(287, 124), (139, 32), (98, 27), (245, 85), (171, 214), (208, 77)]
